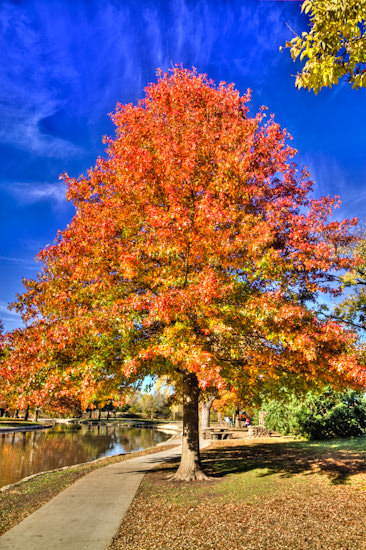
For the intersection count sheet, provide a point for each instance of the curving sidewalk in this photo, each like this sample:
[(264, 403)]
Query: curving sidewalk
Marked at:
[(86, 515)]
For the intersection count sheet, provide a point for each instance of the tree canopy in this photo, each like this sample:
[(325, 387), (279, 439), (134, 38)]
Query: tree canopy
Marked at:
[(335, 45), (196, 251)]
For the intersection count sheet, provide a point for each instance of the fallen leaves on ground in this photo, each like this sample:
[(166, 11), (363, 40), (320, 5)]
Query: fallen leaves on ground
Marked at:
[(265, 496)]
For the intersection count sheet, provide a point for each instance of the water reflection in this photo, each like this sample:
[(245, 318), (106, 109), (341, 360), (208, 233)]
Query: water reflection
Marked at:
[(26, 453)]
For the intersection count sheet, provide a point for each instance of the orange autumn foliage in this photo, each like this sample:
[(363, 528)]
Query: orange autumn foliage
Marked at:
[(196, 247)]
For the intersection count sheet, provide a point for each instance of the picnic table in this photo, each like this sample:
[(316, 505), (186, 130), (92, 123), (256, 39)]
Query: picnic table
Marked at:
[(217, 433)]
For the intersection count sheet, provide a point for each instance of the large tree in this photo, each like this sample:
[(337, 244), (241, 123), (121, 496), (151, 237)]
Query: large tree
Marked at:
[(195, 252), (335, 45)]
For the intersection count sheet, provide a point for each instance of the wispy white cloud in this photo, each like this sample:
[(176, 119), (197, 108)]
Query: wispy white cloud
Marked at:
[(5, 311), (196, 27), (330, 179), (30, 193), (8, 315), (11, 318), (28, 86), (26, 134), (246, 35), (20, 261), (65, 58), (264, 25)]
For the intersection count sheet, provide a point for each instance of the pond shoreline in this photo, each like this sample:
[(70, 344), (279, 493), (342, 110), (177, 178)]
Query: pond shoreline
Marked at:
[(46, 448), (25, 428), (169, 427), (172, 441)]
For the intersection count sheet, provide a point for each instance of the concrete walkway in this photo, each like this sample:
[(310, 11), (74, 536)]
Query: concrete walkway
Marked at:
[(86, 515)]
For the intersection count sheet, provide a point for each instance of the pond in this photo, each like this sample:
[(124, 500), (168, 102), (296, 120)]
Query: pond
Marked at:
[(26, 453)]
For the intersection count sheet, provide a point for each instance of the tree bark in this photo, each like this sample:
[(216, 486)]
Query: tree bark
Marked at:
[(190, 464), (26, 414), (36, 413), (205, 412), (237, 420)]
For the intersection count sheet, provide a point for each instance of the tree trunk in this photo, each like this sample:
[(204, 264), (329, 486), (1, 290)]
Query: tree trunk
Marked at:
[(26, 414), (99, 414), (36, 413), (205, 412), (261, 418), (237, 420), (190, 464)]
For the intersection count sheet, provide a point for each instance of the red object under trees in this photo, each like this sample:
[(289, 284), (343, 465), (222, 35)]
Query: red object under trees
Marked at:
[(195, 251)]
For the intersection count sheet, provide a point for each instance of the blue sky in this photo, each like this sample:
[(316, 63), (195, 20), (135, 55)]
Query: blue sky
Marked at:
[(64, 64)]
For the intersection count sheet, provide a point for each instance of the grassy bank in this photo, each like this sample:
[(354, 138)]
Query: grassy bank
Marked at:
[(17, 423), (271, 495)]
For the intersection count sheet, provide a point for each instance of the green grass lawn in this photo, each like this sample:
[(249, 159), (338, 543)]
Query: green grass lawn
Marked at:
[(269, 494)]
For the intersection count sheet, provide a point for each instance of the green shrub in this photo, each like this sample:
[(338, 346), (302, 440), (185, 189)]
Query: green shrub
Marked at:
[(333, 414), (319, 416)]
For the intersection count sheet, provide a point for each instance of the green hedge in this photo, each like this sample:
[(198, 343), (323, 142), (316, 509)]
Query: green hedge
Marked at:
[(327, 415)]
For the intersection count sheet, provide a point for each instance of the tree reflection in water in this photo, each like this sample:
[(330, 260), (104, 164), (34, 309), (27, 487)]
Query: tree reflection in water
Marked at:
[(26, 453)]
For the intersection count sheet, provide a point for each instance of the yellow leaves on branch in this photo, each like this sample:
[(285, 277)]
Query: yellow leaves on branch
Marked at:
[(334, 47)]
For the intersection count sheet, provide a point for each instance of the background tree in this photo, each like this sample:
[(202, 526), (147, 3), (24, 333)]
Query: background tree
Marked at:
[(154, 403), (228, 403), (353, 308), (281, 415), (207, 398), (63, 407), (334, 47), (132, 404), (151, 404), (196, 251)]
